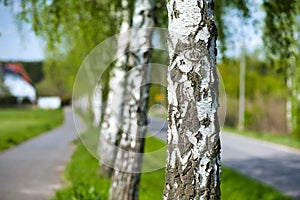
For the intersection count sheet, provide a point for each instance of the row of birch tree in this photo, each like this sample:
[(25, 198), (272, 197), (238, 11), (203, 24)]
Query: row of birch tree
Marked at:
[(193, 154)]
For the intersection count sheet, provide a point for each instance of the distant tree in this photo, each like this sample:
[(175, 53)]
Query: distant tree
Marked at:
[(281, 39), (193, 162), (112, 117), (128, 162), (34, 70), (222, 8), (71, 30), (4, 92)]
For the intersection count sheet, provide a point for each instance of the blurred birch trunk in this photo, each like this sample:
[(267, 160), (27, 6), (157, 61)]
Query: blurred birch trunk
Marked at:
[(127, 168), (110, 128)]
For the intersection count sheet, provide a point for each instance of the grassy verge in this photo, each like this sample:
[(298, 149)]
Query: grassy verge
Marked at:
[(18, 125), (86, 184), (275, 138)]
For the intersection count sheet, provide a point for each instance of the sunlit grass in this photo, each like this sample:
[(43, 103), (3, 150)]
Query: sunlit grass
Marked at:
[(20, 124)]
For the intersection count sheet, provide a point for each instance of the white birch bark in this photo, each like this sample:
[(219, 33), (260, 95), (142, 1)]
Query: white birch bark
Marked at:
[(193, 162), (127, 168), (293, 86), (293, 99), (289, 100), (110, 128), (96, 105)]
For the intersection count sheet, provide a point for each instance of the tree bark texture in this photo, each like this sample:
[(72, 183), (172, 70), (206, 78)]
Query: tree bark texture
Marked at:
[(96, 105), (127, 168), (110, 127), (293, 85), (281, 39), (193, 155), (293, 99)]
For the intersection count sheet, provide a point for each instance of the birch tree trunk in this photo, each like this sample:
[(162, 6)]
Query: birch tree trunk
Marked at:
[(96, 105), (127, 168), (293, 99), (293, 85), (193, 162), (281, 39), (110, 128)]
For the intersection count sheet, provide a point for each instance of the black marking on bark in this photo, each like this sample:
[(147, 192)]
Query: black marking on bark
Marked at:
[(198, 4), (202, 69), (175, 11), (199, 136), (172, 16), (181, 62), (205, 121), (177, 122), (185, 171), (141, 12), (204, 93), (189, 49), (190, 120), (175, 74), (195, 82)]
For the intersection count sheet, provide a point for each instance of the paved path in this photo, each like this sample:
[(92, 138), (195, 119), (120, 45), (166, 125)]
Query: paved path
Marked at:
[(273, 164), (33, 170), (276, 165)]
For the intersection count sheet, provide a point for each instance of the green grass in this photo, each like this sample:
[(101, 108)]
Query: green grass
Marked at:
[(82, 173), (235, 186), (286, 140), (20, 124), (86, 184)]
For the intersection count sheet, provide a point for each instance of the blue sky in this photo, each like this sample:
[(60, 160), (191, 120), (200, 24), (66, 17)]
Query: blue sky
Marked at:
[(18, 45), (24, 45), (247, 33)]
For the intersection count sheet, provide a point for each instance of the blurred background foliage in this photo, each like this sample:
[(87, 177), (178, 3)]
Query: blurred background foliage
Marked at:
[(73, 28), (265, 95)]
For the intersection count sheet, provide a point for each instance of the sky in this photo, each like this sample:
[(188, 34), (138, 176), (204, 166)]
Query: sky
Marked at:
[(18, 45), (245, 33)]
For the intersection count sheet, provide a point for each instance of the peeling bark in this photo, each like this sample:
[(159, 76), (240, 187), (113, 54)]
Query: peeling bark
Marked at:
[(193, 162), (127, 168), (110, 127)]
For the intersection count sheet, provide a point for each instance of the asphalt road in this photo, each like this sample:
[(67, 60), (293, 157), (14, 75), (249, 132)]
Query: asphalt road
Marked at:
[(275, 165), (33, 170)]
